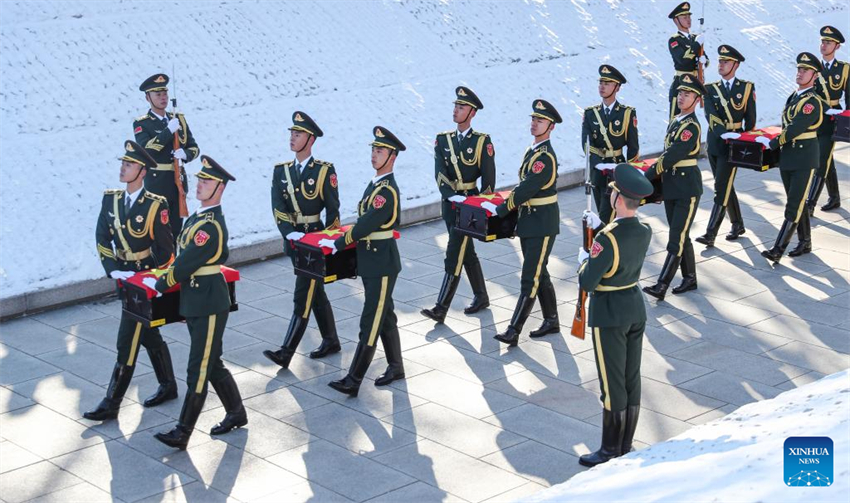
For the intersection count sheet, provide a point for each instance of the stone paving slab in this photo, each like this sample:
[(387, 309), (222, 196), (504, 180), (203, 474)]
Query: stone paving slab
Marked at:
[(473, 421)]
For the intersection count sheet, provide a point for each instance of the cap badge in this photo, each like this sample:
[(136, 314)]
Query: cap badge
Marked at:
[(827, 30), (160, 79), (379, 133), (723, 49), (605, 69), (205, 163), (540, 106), (461, 92), (298, 118), (129, 147)]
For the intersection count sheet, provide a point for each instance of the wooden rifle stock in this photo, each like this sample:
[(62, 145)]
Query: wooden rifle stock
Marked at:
[(580, 318), (178, 181)]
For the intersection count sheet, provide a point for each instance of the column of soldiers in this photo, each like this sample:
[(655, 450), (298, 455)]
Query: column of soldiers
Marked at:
[(137, 226)]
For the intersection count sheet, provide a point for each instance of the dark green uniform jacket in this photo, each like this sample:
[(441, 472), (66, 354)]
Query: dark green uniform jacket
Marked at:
[(684, 50), (536, 196), (153, 134), (726, 111), (299, 198), (612, 272), (613, 138), (136, 240), (832, 85), (378, 212), (201, 249), (475, 158), (801, 118), (680, 175)]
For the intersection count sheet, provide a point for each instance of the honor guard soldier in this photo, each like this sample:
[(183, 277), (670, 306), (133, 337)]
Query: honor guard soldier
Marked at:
[(799, 156), (133, 235), (538, 223), (301, 189), (833, 82), (682, 182), (730, 108), (685, 49), (205, 303), (155, 131), (611, 127), (616, 313), (378, 264), (461, 157)]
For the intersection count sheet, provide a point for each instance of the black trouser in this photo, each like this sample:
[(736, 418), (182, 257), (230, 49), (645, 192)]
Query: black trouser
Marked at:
[(618, 355)]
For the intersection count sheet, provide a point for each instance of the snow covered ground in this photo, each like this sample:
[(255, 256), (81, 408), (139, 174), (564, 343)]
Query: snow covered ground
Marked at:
[(71, 70), (736, 458)]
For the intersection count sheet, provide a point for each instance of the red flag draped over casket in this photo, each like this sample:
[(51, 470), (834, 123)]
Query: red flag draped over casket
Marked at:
[(474, 221), (321, 263), (657, 188), (142, 304), (746, 152)]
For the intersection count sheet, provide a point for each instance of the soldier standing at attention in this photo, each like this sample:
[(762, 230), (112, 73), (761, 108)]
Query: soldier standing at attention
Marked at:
[(378, 264), (461, 157), (682, 182), (730, 108), (205, 303), (536, 200), (301, 189), (133, 235), (616, 313), (155, 131), (610, 126), (799, 156), (833, 82), (684, 49)]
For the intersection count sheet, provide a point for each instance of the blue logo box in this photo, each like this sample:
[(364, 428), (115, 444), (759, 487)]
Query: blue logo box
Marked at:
[(808, 461)]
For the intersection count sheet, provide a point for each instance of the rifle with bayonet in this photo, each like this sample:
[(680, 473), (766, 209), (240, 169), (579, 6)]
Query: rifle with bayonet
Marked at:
[(580, 317), (178, 168)]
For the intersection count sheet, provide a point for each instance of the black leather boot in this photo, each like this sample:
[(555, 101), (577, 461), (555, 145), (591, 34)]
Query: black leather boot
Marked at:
[(804, 236), (814, 194), (834, 201), (521, 312), (327, 327), (632, 413), (736, 217), (549, 307), (118, 384), (689, 272), (235, 415), (613, 429), (395, 365), (786, 232), (659, 290), (714, 221), (444, 299), (350, 384), (162, 367), (282, 357), (179, 436), (480, 299)]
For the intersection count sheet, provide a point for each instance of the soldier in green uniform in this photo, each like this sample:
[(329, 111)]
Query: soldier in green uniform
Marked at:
[(205, 303), (538, 223), (730, 108), (682, 182), (301, 189), (133, 235), (799, 156), (378, 264), (461, 157), (833, 82), (684, 49), (155, 131), (611, 127), (616, 312)]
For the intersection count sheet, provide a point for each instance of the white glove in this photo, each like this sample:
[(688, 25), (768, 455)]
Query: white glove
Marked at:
[(592, 218), (582, 255), (151, 283), (457, 199), (121, 274), (487, 205), (606, 166), (764, 140), (834, 111), (173, 124), (730, 136), (698, 39), (180, 154), (328, 243), (295, 236)]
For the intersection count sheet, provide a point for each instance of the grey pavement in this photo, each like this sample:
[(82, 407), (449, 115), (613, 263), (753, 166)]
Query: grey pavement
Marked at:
[(473, 421)]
